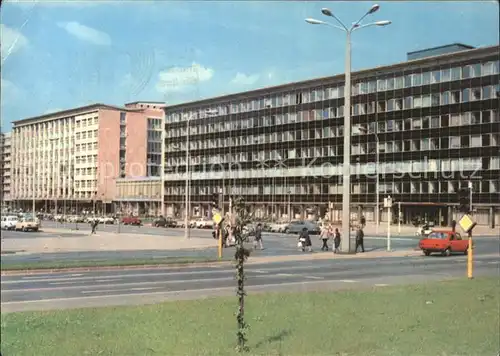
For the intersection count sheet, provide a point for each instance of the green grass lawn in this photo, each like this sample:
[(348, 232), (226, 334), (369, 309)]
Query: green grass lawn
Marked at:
[(106, 263), (449, 318)]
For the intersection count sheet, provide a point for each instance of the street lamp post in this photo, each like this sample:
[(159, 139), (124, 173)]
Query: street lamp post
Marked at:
[(346, 171)]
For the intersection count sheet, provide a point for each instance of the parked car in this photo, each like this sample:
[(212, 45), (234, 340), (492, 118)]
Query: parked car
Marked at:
[(131, 220), (106, 220), (205, 224), (296, 227), (27, 223), (445, 242), (277, 227), (9, 222), (164, 222)]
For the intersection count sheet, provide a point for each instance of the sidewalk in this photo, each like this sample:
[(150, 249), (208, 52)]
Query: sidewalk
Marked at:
[(331, 256), (409, 230), (103, 241)]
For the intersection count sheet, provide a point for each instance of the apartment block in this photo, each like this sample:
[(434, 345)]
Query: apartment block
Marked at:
[(425, 128), (5, 168), (71, 160)]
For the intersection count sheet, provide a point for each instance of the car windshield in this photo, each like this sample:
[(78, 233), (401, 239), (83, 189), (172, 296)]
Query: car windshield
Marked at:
[(438, 235)]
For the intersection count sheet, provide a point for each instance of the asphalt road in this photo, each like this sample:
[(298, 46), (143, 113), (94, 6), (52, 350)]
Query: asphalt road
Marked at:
[(275, 245), (143, 286)]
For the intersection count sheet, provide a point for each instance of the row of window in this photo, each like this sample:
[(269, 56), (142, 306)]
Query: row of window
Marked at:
[(382, 106), (86, 171), (308, 169), (420, 187), (265, 157), (361, 87), (84, 122), (86, 146), (419, 123)]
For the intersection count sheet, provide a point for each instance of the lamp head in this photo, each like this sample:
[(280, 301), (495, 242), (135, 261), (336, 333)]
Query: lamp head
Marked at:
[(327, 12), (374, 9), (383, 23), (314, 21)]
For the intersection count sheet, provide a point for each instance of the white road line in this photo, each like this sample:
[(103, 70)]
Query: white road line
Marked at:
[(381, 285), (122, 276), (166, 282), (285, 275), (494, 262), (313, 277), (260, 271), (262, 286), (117, 290), (347, 281)]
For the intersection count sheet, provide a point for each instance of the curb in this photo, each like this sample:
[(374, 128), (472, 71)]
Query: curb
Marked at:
[(112, 268), (257, 260)]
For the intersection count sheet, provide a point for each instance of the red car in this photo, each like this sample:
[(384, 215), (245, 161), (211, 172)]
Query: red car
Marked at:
[(445, 242), (131, 220)]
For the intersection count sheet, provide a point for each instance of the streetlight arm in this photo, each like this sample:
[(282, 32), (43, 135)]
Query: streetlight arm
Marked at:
[(344, 29), (378, 23)]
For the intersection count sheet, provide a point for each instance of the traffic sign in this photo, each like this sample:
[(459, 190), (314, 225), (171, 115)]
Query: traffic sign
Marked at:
[(466, 223), (217, 216)]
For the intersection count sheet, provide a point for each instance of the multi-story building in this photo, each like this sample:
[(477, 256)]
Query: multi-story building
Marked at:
[(5, 167), (425, 127), (71, 160)]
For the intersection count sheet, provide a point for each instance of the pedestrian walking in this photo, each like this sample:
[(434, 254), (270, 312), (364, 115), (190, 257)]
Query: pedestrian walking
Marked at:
[(360, 235), (305, 239), (324, 236), (258, 237), (336, 241), (93, 225)]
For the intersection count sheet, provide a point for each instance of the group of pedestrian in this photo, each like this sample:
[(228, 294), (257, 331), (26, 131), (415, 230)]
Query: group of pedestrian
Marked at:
[(327, 232)]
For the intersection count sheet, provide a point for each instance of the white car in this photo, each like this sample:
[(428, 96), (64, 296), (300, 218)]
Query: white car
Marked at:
[(204, 224), (278, 227), (9, 222), (106, 220)]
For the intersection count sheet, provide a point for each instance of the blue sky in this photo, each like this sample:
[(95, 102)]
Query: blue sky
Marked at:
[(58, 55)]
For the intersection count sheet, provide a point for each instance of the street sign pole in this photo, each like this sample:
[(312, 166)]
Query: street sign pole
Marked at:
[(388, 205)]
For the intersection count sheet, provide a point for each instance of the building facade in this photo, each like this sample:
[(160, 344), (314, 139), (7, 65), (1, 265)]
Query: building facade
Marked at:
[(425, 127), (70, 160), (5, 167)]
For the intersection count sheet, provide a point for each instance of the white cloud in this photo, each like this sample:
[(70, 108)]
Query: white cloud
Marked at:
[(243, 79), (178, 79), (12, 41), (10, 92), (86, 33)]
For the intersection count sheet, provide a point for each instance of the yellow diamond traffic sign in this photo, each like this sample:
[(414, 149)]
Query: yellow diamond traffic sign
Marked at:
[(466, 223)]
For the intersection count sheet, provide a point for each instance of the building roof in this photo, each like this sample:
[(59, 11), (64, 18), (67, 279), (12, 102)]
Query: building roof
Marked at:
[(72, 111), (338, 77), (145, 102), (464, 46)]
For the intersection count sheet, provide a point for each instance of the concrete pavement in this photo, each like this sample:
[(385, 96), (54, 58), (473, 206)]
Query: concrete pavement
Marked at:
[(130, 286)]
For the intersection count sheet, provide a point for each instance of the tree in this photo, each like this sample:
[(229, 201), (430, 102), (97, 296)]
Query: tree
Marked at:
[(239, 220)]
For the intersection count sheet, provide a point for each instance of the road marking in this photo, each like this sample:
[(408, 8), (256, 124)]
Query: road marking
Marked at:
[(165, 282), (165, 293), (117, 290), (494, 262), (381, 285), (285, 275), (260, 271), (313, 277), (348, 281), (157, 274)]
